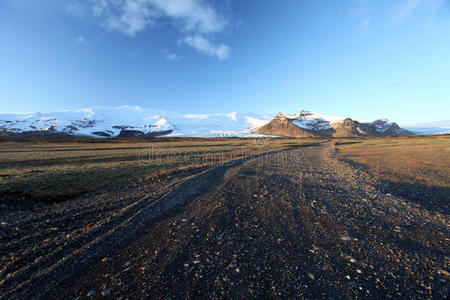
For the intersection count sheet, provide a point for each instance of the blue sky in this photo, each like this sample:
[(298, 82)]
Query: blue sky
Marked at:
[(357, 58)]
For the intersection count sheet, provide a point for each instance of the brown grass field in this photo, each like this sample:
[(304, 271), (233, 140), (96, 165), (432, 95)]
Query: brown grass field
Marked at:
[(172, 218), (55, 170), (413, 167)]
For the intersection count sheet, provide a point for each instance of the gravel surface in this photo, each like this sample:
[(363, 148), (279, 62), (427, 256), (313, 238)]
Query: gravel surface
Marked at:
[(290, 224)]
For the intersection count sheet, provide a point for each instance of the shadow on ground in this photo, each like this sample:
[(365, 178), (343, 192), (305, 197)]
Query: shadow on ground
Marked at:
[(433, 198)]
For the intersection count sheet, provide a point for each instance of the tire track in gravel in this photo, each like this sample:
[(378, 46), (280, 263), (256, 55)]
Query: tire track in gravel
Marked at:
[(314, 229), (122, 227)]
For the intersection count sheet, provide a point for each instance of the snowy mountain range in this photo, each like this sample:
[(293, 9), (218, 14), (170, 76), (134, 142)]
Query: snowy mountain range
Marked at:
[(128, 121), (439, 127)]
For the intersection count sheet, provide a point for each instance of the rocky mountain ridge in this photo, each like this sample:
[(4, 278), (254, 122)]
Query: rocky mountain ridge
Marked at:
[(308, 124)]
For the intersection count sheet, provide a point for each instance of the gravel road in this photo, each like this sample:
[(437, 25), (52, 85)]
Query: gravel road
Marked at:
[(289, 224)]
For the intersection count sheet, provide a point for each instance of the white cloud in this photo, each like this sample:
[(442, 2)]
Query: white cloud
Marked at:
[(436, 4), (192, 18), (361, 15), (399, 12), (197, 116), (126, 16), (198, 42), (134, 53), (172, 56), (76, 8), (365, 24), (194, 15), (404, 10), (80, 40), (254, 122)]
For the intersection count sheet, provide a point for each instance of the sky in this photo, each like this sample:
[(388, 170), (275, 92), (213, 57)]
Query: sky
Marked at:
[(363, 59)]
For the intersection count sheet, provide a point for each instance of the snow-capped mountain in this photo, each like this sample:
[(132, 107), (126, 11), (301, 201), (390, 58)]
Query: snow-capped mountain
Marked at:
[(439, 127), (127, 121), (104, 122), (308, 124)]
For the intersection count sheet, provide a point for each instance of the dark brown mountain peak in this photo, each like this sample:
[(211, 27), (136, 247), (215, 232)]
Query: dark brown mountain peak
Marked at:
[(282, 126)]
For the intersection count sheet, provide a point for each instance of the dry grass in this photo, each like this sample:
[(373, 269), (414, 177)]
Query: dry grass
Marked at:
[(422, 159), (46, 170), (416, 168)]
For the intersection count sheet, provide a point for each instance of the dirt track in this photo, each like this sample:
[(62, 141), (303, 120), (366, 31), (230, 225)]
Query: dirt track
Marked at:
[(295, 223)]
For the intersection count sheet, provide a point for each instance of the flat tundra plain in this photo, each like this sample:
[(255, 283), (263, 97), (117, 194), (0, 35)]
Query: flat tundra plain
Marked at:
[(225, 218)]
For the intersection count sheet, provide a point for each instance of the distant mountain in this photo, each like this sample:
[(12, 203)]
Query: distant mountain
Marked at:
[(127, 121), (308, 124), (440, 127), (281, 125)]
